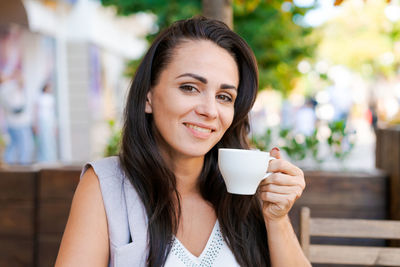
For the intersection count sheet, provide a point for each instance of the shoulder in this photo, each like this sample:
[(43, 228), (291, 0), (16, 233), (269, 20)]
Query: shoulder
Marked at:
[(105, 167), (108, 171), (89, 182), (85, 241), (124, 210)]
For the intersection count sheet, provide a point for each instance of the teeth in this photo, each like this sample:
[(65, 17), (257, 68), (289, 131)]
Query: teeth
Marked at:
[(200, 129)]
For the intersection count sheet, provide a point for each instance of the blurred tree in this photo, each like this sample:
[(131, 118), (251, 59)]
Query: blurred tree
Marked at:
[(339, 2), (220, 10), (114, 141), (368, 43), (274, 32), (167, 11), (271, 27)]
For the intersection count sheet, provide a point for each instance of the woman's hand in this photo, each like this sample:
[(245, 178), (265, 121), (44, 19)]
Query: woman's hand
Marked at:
[(281, 189)]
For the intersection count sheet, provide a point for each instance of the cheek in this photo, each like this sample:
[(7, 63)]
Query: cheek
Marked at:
[(227, 118), (171, 109)]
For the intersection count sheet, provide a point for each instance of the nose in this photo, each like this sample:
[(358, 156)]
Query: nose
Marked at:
[(207, 107)]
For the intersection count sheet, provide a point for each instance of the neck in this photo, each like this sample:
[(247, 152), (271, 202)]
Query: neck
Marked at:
[(187, 171)]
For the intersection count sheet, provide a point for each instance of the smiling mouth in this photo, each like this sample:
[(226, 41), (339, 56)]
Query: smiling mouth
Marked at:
[(199, 129)]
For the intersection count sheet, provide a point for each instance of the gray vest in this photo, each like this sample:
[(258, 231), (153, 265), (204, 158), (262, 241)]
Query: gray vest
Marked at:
[(126, 216)]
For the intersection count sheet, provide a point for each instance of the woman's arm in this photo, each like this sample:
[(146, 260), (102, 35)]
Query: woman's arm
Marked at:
[(283, 245), (85, 240), (278, 192)]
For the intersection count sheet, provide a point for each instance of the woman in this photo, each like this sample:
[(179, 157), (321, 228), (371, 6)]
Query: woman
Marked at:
[(45, 125), (163, 202)]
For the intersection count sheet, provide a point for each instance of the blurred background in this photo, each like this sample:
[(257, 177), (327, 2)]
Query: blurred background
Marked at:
[(329, 74), (329, 97)]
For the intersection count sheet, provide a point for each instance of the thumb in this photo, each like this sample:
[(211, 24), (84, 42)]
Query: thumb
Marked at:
[(275, 152)]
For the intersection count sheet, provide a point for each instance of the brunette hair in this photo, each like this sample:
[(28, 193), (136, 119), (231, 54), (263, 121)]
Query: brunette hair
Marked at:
[(240, 217)]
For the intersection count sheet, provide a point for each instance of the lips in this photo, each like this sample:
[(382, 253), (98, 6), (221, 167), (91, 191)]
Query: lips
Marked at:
[(200, 130)]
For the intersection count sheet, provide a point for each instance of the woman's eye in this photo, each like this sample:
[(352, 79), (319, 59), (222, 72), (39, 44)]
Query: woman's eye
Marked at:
[(225, 98), (188, 88)]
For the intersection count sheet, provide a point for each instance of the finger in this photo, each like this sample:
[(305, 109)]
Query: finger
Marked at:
[(275, 152), (280, 189), (280, 165), (284, 179), (271, 197), (282, 200)]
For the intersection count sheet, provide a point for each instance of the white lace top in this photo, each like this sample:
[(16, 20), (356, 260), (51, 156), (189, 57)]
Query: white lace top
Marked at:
[(216, 253)]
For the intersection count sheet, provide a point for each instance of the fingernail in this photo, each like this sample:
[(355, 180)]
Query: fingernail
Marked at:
[(277, 149)]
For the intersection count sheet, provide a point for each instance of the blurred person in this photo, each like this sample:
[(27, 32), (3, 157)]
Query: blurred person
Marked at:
[(45, 125), (341, 99), (372, 114), (13, 99), (258, 121), (286, 114), (305, 118), (162, 201)]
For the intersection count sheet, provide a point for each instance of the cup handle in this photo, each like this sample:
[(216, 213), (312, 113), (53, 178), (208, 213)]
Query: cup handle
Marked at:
[(268, 173)]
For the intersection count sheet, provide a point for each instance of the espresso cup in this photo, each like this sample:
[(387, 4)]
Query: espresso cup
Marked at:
[(242, 169)]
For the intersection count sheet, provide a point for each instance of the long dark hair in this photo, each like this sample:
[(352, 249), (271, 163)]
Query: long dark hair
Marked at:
[(240, 217)]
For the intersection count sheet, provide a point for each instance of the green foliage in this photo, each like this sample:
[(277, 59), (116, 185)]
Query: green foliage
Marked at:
[(299, 147), (113, 144), (294, 146), (278, 43), (167, 11), (359, 37), (2, 147), (2, 142), (262, 142), (312, 144), (131, 67), (340, 141)]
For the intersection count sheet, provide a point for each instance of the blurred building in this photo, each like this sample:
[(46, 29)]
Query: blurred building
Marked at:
[(82, 48)]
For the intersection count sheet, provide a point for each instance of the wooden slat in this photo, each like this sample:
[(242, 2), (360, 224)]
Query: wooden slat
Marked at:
[(17, 219), (17, 185), (16, 252), (56, 189), (355, 228), (58, 183), (395, 184), (53, 216), (49, 245), (334, 195), (379, 156), (388, 159), (305, 230), (347, 189), (370, 256)]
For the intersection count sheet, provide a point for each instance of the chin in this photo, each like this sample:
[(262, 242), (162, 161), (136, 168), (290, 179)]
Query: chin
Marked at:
[(196, 151), (197, 154)]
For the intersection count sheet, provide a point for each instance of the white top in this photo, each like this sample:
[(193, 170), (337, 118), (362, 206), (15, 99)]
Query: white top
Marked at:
[(216, 253), (46, 107), (13, 98)]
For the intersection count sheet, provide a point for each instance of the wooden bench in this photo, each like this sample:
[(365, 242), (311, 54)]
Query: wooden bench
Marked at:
[(352, 228)]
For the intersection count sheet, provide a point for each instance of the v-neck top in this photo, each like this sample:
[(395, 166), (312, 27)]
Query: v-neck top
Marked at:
[(215, 253)]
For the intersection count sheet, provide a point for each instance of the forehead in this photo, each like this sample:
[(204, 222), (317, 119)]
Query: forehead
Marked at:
[(206, 58)]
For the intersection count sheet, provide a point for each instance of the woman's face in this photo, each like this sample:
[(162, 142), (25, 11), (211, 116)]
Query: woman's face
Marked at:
[(193, 101)]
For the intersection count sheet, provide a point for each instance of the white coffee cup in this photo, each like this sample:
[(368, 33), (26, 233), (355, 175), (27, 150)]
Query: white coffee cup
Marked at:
[(243, 169)]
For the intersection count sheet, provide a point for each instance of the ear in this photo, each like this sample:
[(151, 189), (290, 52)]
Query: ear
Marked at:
[(148, 109)]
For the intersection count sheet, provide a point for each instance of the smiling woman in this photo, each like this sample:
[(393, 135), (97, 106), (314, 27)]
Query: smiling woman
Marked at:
[(162, 201)]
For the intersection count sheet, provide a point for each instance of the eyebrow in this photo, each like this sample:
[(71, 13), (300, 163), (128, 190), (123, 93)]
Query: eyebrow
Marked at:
[(204, 80)]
